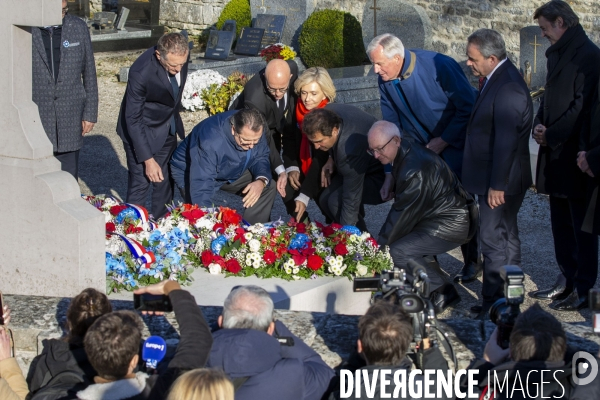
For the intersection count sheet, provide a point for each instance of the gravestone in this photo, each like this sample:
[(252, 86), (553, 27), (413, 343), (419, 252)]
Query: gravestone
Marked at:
[(249, 43), (51, 241), (230, 26), (104, 21), (122, 19), (406, 21), (533, 51), (219, 44), (273, 26), (79, 8), (295, 11)]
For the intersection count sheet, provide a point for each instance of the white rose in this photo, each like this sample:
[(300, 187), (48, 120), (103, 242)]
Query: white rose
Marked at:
[(254, 245), (361, 270), (214, 269)]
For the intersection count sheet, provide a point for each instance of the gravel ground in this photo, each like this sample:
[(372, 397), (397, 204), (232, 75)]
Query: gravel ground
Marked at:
[(103, 171)]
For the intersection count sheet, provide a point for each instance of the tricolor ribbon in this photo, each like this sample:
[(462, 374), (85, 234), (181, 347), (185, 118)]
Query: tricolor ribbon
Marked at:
[(142, 214), (144, 257)]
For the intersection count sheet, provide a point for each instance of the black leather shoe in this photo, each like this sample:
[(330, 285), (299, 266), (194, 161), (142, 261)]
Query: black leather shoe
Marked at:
[(573, 302), (556, 292), (469, 272), (444, 297)]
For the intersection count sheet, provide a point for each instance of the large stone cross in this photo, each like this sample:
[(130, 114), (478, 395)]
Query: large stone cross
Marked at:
[(51, 241)]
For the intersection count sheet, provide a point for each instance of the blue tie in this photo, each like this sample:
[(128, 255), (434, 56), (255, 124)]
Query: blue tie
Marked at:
[(175, 86)]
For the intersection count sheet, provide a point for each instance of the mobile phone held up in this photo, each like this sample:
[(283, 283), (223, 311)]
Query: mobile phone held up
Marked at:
[(152, 302)]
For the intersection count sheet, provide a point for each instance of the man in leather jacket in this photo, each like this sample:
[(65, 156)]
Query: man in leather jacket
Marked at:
[(429, 215)]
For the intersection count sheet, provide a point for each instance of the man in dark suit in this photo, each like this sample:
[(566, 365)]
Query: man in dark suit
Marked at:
[(496, 163), (561, 128), (149, 120), (589, 163), (65, 87), (342, 130), (271, 91)]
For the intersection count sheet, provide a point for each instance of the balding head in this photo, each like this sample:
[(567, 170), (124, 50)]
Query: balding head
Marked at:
[(248, 307), (278, 76), (384, 141)]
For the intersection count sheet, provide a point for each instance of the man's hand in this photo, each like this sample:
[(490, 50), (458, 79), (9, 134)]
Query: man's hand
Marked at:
[(252, 193), (387, 190), (294, 179), (539, 134), (300, 208), (86, 127), (4, 345), (495, 198), (326, 172), (281, 183), (153, 170), (437, 145), (155, 289), (493, 353), (583, 164)]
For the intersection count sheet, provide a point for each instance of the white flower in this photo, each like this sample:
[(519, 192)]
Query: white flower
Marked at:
[(107, 216), (183, 225), (214, 269), (205, 223), (295, 270), (287, 269), (361, 270), (254, 245), (289, 264), (256, 264), (196, 82), (248, 235)]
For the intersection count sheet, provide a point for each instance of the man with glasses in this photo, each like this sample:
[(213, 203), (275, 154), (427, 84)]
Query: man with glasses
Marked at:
[(227, 151), (149, 120), (64, 86), (341, 130), (429, 215)]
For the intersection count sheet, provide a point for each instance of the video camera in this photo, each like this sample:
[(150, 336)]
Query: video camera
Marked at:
[(505, 311)]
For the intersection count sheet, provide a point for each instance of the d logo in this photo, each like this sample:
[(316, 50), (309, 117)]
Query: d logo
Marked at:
[(582, 368)]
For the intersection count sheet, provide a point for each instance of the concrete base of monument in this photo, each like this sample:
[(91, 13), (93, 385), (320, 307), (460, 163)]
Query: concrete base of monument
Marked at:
[(325, 294)]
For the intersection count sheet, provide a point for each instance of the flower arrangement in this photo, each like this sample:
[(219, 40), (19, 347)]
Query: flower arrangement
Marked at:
[(195, 84), (141, 252), (218, 97), (277, 50)]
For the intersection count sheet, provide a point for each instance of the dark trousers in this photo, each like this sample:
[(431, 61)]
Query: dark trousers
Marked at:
[(138, 183), (576, 251), (417, 245), (500, 243), (261, 211), (69, 162), (290, 202)]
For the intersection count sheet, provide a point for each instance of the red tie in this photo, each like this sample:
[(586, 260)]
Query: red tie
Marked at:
[(482, 81)]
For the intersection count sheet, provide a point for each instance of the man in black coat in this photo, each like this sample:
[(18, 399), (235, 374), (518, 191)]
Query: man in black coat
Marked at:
[(496, 163), (561, 128), (149, 120), (589, 163), (342, 130)]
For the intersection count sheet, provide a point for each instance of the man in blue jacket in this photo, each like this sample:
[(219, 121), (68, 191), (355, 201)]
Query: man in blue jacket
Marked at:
[(427, 95), (227, 151)]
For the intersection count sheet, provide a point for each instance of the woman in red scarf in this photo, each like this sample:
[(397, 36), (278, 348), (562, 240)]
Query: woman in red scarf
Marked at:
[(304, 163)]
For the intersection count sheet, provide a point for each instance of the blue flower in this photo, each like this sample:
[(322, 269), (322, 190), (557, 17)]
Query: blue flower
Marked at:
[(218, 244), (299, 241), (351, 230), (126, 213), (358, 257)]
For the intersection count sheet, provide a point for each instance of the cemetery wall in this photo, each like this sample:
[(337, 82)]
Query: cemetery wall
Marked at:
[(193, 15)]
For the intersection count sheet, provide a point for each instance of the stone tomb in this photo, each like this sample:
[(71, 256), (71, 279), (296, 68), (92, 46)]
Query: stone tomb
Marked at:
[(230, 26), (408, 22), (295, 11), (219, 44), (249, 42), (273, 26), (52, 241), (532, 60)]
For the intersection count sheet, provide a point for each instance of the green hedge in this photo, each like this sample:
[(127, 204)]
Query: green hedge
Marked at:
[(331, 39), (237, 10)]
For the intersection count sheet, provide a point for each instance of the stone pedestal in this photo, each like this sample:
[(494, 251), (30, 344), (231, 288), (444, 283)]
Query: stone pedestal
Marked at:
[(51, 241)]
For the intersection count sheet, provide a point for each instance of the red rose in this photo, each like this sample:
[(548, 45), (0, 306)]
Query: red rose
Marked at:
[(328, 231), (301, 227), (207, 257), (193, 215), (233, 266), (115, 210), (219, 228), (335, 226), (110, 227), (269, 257), (340, 249), (219, 260), (373, 242), (314, 262), (239, 235), (230, 217)]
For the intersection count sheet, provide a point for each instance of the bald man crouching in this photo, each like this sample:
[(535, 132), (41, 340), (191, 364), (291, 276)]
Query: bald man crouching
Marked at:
[(429, 215)]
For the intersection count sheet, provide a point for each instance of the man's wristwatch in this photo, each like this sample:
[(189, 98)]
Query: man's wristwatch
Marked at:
[(264, 181)]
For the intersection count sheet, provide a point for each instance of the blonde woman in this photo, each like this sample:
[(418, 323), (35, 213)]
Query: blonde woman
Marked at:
[(202, 384)]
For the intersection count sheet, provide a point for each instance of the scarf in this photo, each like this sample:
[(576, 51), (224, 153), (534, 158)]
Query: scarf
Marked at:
[(305, 154), (572, 37)]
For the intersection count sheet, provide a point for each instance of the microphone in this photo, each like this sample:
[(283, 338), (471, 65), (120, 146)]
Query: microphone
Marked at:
[(154, 350)]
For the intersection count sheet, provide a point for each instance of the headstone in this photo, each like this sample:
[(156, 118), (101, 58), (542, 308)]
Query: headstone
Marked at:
[(295, 11), (532, 59), (406, 21), (273, 26), (122, 19), (249, 43), (230, 26), (219, 44), (51, 241), (104, 20)]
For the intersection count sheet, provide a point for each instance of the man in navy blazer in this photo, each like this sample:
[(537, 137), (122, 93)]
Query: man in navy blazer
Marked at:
[(149, 120), (496, 163)]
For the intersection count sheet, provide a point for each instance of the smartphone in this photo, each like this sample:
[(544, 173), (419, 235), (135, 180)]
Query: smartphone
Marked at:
[(152, 302), (1, 309)]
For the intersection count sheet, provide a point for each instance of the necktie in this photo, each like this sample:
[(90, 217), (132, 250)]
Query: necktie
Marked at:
[(175, 86), (281, 105), (482, 82)]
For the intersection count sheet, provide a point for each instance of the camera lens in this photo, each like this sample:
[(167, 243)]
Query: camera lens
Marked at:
[(411, 303)]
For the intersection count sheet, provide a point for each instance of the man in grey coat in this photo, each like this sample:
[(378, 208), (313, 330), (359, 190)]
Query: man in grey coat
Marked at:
[(64, 86)]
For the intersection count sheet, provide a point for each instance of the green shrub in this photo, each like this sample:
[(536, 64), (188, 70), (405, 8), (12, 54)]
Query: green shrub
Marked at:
[(331, 39), (237, 10)]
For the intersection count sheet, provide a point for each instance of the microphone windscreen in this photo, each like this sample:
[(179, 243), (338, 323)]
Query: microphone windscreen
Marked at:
[(154, 350)]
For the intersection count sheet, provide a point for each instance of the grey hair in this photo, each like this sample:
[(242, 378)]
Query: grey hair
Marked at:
[(172, 43), (391, 45), (389, 129), (489, 43), (248, 307)]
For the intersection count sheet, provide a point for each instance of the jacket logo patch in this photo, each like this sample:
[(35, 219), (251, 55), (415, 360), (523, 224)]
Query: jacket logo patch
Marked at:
[(66, 44)]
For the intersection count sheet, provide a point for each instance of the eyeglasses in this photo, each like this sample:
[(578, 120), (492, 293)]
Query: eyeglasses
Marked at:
[(273, 91), (246, 142), (379, 150)]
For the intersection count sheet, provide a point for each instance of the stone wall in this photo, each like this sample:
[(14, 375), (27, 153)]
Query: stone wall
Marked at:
[(193, 15)]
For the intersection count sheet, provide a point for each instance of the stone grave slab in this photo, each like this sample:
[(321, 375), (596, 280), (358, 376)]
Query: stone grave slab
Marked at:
[(404, 20), (532, 59), (230, 26), (122, 18), (295, 11), (219, 44), (273, 26), (249, 42)]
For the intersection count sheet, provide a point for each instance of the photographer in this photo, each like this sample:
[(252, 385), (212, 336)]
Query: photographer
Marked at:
[(536, 364), (12, 382), (262, 357), (385, 333), (112, 345)]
